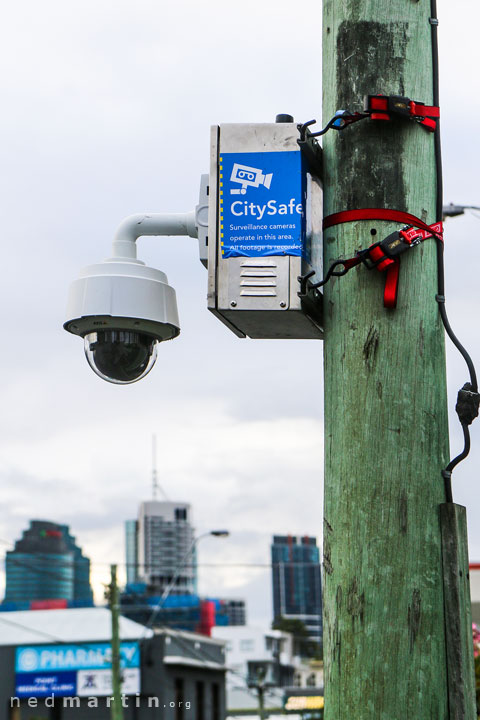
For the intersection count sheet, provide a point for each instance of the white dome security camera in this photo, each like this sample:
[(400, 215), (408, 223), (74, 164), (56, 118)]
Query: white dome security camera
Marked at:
[(122, 308)]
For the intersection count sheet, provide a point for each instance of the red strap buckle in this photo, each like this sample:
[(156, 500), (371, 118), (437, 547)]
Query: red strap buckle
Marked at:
[(414, 235), (416, 232), (382, 107)]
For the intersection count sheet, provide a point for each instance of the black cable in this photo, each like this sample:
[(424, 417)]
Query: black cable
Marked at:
[(339, 121), (306, 285), (472, 389), (436, 102)]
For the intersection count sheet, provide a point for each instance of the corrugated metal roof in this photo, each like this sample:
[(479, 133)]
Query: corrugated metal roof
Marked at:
[(40, 627)]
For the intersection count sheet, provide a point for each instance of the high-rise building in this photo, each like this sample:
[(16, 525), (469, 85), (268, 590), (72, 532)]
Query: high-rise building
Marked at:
[(158, 545), (131, 550), (47, 565), (296, 578)]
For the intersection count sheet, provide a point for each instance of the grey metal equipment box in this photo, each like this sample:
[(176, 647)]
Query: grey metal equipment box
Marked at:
[(264, 230)]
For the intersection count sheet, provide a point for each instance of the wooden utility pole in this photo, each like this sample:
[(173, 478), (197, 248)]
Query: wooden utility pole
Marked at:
[(116, 707), (386, 433), (259, 686)]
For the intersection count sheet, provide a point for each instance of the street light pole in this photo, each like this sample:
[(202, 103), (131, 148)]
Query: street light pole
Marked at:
[(167, 590), (452, 210)]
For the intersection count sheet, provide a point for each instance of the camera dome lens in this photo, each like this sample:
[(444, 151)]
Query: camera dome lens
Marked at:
[(120, 356)]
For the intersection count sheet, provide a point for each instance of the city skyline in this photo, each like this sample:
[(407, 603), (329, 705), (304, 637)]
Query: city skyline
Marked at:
[(235, 419), (259, 604), (46, 566)]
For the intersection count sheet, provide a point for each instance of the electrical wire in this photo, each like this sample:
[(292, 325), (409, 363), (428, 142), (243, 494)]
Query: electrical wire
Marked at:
[(178, 638), (222, 565), (58, 641), (193, 651), (41, 633), (440, 297), (39, 571), (43, 571)]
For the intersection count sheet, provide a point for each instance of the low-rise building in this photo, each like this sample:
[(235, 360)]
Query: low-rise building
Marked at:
[(308, 673), (56, 665), (255, 655)]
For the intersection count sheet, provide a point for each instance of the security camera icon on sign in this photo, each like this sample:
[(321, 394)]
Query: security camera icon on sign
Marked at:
[(248, 176)]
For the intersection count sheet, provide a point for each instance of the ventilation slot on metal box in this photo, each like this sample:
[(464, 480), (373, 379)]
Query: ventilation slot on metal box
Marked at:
[(258, 278)]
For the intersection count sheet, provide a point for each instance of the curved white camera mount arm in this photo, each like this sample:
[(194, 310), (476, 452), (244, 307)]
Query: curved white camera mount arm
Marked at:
[(135, 226), (121, 304)]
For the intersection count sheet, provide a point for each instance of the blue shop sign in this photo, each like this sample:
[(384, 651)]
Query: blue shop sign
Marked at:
[(54, 658), (44, 685), (68, 670), (262, 204)]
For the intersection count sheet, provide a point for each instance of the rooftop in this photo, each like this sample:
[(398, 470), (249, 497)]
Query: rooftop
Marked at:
[(40, 627)]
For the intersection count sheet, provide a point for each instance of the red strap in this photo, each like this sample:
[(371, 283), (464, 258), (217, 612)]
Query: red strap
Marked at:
[(377, 255), (377, 102), (382, 214), (435, 230), (380, 116), (380, 108), (421, 110), (429, 124), (391, 285), (392, 267), (347, 264)]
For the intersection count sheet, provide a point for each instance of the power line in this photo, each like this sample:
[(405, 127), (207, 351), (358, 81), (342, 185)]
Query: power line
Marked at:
[(191, 566), (210, 658), (56, 640), (292, 563), (30, 629), (42, 570)]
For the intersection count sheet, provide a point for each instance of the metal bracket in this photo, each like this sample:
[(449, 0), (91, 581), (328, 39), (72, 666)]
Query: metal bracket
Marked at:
[(201, 219), (311, 150), (312, 305)]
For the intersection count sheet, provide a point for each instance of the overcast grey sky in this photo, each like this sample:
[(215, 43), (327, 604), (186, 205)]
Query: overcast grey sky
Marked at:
[(106, 112)]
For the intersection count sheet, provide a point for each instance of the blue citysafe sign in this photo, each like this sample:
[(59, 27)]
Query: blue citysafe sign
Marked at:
[(262, 204), (63, 670)]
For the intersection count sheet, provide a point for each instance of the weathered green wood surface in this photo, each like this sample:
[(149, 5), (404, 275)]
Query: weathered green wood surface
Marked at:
[(458, 616), (385, 389)]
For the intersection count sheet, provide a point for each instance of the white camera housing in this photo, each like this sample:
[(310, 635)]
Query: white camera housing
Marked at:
[(121, 307), (122, 294)]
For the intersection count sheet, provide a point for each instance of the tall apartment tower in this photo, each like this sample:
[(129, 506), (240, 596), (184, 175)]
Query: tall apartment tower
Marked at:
[(47, 565), (131, 550), (159, 542), (296, 580)]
